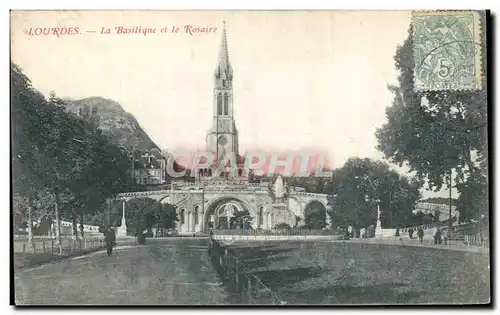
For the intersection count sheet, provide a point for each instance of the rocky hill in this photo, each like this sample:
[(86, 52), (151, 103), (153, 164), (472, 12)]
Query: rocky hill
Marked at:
[(122, 127)]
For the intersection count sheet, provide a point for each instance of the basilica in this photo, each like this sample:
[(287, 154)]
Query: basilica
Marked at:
[(214, 197)]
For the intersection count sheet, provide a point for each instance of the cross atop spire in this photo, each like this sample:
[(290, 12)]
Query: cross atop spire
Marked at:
[(224, 68)]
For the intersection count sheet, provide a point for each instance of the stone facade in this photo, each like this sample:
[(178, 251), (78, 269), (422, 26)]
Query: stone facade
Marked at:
[(212, 200), (197, 205)]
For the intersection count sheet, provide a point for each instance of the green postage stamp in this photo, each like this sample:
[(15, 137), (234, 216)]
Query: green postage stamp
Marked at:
[(447, 49)]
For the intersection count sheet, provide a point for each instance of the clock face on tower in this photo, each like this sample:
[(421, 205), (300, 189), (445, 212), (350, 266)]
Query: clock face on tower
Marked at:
[(222, 146), (222, 141)]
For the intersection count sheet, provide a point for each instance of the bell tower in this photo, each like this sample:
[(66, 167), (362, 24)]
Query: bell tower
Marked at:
[(222, 138)]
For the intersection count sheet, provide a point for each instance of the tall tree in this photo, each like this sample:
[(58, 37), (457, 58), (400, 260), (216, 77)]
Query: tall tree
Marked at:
[(167, 216), (473, 200), (142, 214), (361, 184), (63, 154), (435, 132), (27, 106), (315, 217)]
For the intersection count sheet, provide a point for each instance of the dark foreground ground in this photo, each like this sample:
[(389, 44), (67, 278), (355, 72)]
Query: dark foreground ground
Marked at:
[(314, 272), (180, 271), (176, 271)]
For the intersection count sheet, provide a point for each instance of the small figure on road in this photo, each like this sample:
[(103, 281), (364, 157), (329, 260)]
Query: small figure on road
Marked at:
[(410, 233), (141, 237), (420, 234), (397, 232), (437, 236), (445, 236), (110, 239)]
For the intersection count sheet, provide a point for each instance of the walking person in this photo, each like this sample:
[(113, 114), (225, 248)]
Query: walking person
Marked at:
[(141, 238), (410, 233), (110, 239), (437, 235), (445, 236), (420, 234)]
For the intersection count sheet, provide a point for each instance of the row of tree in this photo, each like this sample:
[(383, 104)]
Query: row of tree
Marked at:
[(63, 167), (356, 189), (440, 134), (143, 214)]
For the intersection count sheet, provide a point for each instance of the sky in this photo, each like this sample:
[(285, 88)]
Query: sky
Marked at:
[(302, 79)]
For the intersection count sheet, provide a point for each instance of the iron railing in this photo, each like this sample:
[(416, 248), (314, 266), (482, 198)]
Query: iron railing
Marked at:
[(273, 232), (244, 285), (51, 246)]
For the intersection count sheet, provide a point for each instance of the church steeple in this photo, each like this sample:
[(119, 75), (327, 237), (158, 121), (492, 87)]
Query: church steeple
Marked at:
[(223, 70), (223, 136)]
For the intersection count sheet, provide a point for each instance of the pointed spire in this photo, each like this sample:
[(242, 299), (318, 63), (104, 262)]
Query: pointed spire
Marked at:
[(223, 65), (223, 52)]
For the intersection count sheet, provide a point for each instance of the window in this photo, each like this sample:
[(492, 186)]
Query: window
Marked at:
[(182, 216), (261, 216), (226, 104), (219, 104), (195, 215)]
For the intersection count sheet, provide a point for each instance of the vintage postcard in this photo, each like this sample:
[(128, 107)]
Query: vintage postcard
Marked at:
[(249, 158)]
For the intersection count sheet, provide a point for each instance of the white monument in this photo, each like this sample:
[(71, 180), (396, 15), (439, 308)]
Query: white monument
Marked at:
[(279, 189), (122, 229), (378, 228)]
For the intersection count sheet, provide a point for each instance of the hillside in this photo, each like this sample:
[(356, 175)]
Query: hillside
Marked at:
[(122, 127)]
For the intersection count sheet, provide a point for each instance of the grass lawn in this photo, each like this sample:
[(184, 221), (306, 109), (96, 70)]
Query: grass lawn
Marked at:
[(320, 272), (29, 260)]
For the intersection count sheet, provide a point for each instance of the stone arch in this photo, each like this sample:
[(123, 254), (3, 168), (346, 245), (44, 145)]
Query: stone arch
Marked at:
[(216, 203), (164, 199), (311, 201), (315, 215)]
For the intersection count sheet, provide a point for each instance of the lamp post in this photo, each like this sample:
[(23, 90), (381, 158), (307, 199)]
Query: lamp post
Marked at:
[(450, 225), (378, 228), (203, 207), (108, 202)]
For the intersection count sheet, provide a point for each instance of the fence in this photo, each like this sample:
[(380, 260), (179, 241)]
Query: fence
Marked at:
[(415, 228), (463, 234), (50, 246), (273, 232), (245, 286), (476, 240)]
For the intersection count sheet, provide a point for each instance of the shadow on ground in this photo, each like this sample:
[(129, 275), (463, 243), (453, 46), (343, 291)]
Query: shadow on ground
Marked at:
[(385, 293), (329, 273)]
